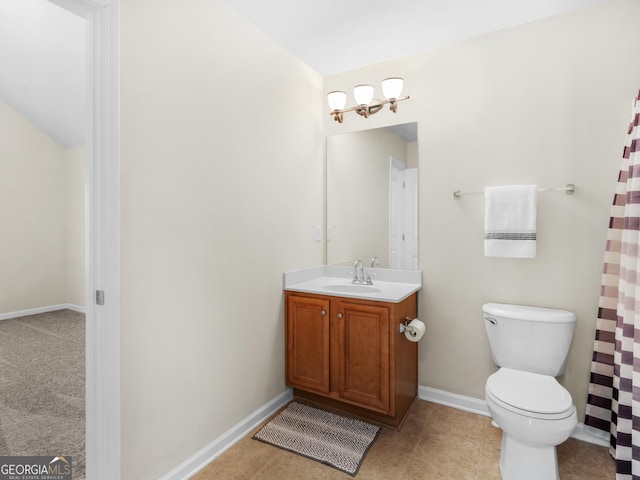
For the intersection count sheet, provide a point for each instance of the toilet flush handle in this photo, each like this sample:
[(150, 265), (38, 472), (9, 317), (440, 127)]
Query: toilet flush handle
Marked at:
[(491, 320)]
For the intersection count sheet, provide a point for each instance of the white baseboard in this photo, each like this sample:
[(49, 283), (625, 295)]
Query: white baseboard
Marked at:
[(479, 406), (38, 310), (592, 435), (210, 452), (461, 402)]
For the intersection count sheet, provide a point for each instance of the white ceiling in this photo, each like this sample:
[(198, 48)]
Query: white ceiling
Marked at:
[(42, 53), (334, 36), (42, 46)]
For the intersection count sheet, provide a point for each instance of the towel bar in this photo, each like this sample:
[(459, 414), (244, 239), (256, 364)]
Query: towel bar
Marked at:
[(569, 189)]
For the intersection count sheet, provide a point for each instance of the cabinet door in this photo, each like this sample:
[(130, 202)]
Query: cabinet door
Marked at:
[(364, 362), (308, 343)]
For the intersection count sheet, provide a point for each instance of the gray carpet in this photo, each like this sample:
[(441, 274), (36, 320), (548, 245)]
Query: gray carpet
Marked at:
[(42, 386)]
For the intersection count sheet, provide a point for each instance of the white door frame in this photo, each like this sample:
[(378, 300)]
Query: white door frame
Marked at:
[(102, 237), (410, 213), (396, 167)]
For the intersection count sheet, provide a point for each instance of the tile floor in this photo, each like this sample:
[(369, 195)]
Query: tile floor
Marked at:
[(435, 443)]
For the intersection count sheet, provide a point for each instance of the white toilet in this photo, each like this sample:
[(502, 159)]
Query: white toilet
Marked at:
[(535, 412)]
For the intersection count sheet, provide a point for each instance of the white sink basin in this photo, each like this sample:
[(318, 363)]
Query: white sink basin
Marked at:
[(388, 285), (351, 288)]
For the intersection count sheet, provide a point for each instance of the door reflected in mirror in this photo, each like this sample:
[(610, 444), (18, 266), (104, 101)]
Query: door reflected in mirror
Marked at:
[(372, 197)]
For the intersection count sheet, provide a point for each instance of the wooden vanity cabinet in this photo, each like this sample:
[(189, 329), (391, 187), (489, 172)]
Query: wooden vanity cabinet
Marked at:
[(348, 355)]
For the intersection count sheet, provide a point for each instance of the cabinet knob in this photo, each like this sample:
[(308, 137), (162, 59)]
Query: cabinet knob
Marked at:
[(339, 315), (323, 313)]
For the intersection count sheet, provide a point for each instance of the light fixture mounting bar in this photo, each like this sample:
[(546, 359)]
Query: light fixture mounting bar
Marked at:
[(367, 110)]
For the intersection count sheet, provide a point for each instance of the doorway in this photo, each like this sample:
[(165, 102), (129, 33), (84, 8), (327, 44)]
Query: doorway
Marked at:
[(42, 206), (403, 215), (102, 238)]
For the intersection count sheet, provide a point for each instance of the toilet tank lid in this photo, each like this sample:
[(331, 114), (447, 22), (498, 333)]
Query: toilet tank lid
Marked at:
[(521, 312)]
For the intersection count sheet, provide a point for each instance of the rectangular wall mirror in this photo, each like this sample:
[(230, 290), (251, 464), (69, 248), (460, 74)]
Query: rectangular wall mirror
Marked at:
[(372, 197)]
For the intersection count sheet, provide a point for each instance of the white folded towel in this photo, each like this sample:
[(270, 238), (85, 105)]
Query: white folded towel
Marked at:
[(510, 221)]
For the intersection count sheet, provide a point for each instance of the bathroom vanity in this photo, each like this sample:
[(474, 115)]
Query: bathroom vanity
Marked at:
[(344, 348)]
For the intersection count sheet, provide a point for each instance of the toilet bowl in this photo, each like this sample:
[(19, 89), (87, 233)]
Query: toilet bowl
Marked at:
[(535, 414), (529, 345)]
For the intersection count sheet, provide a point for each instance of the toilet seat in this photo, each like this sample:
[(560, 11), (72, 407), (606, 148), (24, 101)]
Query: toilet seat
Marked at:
[(529, 394)]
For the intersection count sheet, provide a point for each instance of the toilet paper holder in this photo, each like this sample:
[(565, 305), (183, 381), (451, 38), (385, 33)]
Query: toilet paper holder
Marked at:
[(405, 327)]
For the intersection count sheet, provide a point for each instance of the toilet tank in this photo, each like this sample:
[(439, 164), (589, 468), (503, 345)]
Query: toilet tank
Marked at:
[(533, 339)]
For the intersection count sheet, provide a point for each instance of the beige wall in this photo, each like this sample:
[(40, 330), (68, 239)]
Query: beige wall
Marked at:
[(74, 160), (221, 186), (412, 155), (38, 213), (545, 103)]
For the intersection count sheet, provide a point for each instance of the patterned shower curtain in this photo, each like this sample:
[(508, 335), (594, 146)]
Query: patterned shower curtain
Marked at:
[(613, 404)]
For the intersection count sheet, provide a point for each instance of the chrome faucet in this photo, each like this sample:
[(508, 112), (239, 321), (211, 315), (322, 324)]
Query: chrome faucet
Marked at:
[(358, 272), (359, 275)]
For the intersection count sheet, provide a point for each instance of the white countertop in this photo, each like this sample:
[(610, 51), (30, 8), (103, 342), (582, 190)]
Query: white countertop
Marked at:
[(388, 285)]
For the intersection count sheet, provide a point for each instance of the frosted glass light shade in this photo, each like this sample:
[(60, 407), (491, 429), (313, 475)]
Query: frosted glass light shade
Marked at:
[(363, 94), (337, 100), (392, 87)]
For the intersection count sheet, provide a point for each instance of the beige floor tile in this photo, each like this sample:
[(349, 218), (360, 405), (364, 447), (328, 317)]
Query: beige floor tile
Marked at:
[(405, 439), (382, 471), (491, 436), (334, 474), (450, 420), (489, 464), (435, 443), (592, 461), (447, 448), (425, 468), (383, 461), (420, 411), (240, 462), (287, 465)]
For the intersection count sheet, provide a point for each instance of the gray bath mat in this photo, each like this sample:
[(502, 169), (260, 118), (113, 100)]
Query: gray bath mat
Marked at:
[(337, 441)]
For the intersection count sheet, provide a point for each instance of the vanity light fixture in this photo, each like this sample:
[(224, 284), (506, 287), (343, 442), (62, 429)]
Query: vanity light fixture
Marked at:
[(367, 105)]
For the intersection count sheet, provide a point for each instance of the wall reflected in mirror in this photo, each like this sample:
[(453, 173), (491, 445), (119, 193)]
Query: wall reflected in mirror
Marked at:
[(372, 197)]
